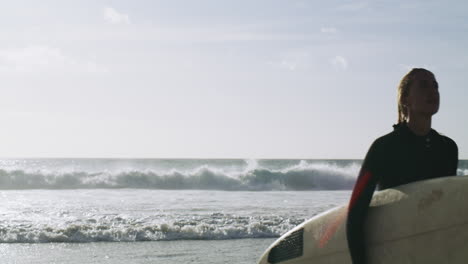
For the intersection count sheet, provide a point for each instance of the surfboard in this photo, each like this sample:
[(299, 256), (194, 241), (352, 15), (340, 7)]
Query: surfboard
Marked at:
[(420, 222)]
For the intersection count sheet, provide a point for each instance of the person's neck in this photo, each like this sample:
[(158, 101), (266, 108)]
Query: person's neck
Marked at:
[(420, 125)]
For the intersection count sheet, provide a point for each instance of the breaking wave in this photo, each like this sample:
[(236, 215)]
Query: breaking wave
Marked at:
[(303, 176)]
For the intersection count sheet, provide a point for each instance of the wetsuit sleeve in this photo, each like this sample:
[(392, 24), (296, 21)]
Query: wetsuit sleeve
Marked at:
[(359, 204), (453, 163)]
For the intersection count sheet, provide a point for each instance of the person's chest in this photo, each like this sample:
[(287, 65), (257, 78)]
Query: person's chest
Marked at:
[(407, 161)]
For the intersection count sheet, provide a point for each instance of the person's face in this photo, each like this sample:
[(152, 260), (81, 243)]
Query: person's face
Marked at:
[(423, 97)]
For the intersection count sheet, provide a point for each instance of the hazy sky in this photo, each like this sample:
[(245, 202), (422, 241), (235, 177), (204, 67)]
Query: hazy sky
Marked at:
[(221, 79)]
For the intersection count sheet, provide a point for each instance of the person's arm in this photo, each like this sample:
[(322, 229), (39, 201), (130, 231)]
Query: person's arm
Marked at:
[(454, 161), (358, 206)]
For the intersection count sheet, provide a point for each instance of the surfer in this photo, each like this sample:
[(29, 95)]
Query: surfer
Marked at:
[(413, 151)]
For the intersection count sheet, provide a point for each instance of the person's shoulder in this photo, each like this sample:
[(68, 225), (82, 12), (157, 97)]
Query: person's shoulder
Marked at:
[(380, 144), (379, 149), (447, 141), (385, 139), (445, 138)]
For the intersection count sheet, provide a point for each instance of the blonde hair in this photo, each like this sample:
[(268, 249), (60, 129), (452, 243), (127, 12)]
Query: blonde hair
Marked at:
[(403, 91)]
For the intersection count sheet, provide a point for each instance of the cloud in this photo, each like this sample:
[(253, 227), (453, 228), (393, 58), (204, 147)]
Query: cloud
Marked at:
[(43, 58), (284, 64), (114, 17), (289, 65), (330, 30), (31, 57), (339, 62), (293, 60)]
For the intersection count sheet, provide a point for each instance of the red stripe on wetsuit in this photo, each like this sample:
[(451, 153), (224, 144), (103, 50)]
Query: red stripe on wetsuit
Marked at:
[(359, 188), (331, 228)]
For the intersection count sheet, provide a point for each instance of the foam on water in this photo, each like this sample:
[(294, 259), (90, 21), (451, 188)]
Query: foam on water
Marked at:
[(129, 215), (118, 229)]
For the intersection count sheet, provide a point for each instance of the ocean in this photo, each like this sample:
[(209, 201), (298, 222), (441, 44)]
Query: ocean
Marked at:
[(161, 210)]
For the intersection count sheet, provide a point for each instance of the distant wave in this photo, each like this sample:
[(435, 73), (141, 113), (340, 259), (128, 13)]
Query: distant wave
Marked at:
[(462, 171), (303, 176), (214, 227)]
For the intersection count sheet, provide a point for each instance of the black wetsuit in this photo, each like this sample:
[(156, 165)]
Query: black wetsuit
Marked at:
[(397, 158)]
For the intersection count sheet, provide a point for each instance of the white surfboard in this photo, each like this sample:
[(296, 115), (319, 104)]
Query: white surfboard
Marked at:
[(421, 222)]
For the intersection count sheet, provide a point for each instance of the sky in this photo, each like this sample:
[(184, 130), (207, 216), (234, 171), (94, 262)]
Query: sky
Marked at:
[(221, 79)]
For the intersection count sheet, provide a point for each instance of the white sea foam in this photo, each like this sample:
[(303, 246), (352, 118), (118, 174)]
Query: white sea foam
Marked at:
[(118, 229), (129, 215)]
